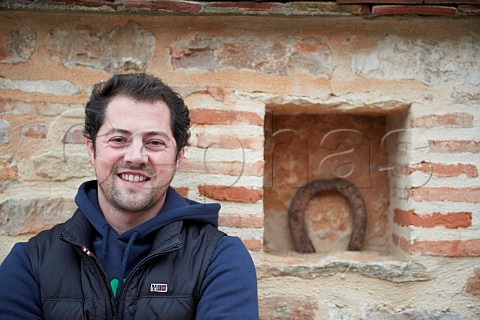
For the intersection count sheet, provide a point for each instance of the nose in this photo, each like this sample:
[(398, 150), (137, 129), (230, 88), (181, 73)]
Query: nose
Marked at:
[(135, 153)]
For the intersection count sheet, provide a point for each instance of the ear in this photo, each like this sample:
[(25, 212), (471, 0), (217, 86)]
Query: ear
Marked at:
[(90, 150), (180, 156)]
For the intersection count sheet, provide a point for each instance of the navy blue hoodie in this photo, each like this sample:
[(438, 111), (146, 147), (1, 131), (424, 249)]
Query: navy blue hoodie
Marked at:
[(229, 290)]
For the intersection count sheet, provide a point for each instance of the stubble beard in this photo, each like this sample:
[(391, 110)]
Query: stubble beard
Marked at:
[(132, 201)]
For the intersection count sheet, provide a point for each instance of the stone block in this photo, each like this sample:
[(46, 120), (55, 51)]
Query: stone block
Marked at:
[(122, 48), (55, 87), (21, 216), (62, 168), (165, 5), (16, 46), (427, 61), (288, 55), (383, 313)]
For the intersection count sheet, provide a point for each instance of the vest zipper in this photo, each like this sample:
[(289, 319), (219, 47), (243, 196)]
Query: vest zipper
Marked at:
[(98, 269), (121, 299)]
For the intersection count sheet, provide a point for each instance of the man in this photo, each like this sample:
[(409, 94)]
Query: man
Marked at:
[(134, 249)]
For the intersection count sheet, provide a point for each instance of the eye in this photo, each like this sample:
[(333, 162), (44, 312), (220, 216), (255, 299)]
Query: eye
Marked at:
[(155, 144), (117, 141)]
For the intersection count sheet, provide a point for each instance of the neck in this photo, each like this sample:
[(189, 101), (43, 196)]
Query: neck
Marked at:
[(121, 220)]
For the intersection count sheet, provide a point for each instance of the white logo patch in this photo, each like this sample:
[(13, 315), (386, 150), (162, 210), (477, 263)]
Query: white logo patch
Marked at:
[(158, 287)]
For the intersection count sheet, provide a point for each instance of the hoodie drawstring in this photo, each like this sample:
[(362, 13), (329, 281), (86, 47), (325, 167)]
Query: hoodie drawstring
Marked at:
[(124, 261)]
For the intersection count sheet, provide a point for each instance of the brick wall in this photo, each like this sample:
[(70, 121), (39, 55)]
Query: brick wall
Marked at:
[(422, 74)]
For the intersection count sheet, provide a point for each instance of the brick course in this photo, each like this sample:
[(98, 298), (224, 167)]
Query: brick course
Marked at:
[(449, 220), (226, 193)]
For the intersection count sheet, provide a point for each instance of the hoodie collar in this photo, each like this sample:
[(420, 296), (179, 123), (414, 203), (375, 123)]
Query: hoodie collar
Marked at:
[(175, 208)]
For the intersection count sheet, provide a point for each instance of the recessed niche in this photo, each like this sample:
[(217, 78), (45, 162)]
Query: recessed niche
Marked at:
[(303, 146)]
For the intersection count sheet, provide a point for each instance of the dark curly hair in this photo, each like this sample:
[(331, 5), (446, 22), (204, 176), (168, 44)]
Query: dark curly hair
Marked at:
[(141, 87)]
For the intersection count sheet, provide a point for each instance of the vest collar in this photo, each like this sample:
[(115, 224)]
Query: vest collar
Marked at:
[(78, 231)]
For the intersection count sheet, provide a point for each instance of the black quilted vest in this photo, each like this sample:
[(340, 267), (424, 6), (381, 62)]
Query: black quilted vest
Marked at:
[(164, 285)]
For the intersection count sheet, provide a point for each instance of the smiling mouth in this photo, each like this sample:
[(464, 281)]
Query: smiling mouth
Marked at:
[(133, 178)]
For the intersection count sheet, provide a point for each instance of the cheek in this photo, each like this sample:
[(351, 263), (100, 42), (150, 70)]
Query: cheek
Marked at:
[(103, 165)]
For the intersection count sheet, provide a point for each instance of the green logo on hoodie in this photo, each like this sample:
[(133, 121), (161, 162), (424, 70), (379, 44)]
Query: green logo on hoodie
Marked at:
[(114, 286)]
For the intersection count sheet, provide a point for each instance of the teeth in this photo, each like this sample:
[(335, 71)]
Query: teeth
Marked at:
[(132, 178)]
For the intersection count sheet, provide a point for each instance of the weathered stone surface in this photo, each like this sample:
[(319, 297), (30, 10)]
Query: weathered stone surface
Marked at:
[(413, 313), (4, 126), (16, 46), (60, 168), (19, 216), (129, 47), (17, 107), (288, 307), (393, 271), (310, 54), (431, 62), (58, 87), (467, 97)]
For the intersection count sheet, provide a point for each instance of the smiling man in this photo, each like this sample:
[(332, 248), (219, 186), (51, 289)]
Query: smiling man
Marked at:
[(134, 249)]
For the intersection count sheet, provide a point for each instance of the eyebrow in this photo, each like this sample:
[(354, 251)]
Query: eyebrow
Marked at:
[(126, 132)]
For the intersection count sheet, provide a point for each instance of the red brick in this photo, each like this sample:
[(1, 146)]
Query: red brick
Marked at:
[(453, 146), (453, 248), (252, 244), (450, 220), (414, 10), (470, 195), (469, 10), (208, 116), (8, 171), (228, 142), (183, 191), (74, 137), (452, 120), (446, 170), (380, 1), (166, 5), (235, 194), (288, 307), (473, 283), (241, 221), (34, 131), (450, 1), (230, 168)]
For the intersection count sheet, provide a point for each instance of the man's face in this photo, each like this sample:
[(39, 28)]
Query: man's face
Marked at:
[(135, 155)]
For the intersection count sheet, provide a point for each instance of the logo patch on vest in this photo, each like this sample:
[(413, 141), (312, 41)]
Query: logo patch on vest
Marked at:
[(158, 287)]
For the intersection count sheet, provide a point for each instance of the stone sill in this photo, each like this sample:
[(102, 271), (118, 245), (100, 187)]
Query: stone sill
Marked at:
[(368, 264), (371, 8)]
